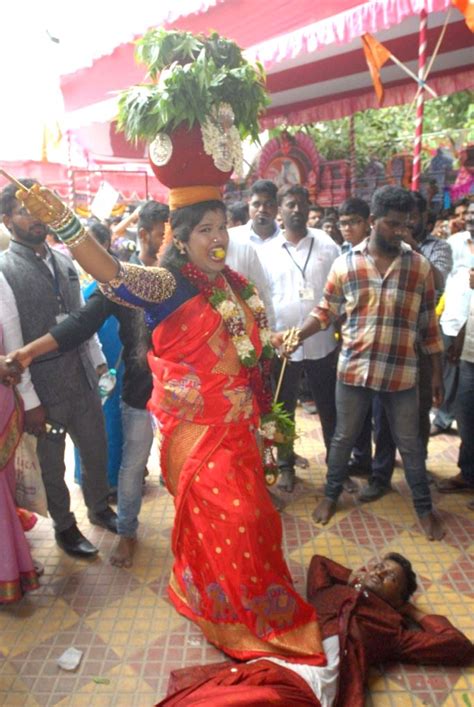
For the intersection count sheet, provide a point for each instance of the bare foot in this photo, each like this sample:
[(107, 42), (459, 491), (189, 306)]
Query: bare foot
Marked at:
[(432, 527), (300, 461), (122, 555), (324, 511), (350, 486), (286, 480)]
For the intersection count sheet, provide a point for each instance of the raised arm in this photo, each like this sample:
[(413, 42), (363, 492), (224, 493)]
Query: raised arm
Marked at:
[(132, 285), (47, 207)]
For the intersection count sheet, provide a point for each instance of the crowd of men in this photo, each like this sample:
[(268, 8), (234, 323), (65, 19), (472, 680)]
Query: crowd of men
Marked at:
[(360, 283)]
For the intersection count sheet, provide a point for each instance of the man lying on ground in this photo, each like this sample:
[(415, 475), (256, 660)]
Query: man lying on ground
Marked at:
[(365, 619)]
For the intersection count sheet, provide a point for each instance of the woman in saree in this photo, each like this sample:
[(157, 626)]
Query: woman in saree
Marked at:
[(17, 572), (210, 342)]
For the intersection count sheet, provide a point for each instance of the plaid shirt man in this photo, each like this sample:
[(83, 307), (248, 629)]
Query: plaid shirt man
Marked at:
[(384, 317)]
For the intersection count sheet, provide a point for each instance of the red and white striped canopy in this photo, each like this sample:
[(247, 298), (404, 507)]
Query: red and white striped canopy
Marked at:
[(312, 54)]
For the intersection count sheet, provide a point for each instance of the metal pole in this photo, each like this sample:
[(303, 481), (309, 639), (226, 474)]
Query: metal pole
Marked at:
[(420, 103), (353, 162)]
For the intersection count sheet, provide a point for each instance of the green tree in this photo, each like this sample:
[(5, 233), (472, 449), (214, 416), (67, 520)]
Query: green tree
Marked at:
[(384, 132)]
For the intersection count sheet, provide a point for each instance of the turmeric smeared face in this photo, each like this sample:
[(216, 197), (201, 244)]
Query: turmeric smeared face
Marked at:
[(207, 245)]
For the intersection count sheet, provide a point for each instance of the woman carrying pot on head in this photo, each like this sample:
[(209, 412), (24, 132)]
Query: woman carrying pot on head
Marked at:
[(209, 359)]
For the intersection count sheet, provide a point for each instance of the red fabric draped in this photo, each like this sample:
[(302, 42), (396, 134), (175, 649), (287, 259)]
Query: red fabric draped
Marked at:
[(256, 685), (229, 574)]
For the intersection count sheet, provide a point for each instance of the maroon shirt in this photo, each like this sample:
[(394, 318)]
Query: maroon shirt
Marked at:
[(371, 631)]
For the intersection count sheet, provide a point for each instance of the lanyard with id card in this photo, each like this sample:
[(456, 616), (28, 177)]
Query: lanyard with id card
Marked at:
[(306, 292)]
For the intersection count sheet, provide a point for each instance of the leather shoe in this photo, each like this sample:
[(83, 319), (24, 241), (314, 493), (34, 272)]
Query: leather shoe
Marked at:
[(73, 542), (373, 491), (106, 519), (436, 430)]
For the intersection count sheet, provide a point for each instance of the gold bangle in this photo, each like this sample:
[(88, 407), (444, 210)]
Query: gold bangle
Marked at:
[(74, 242), (63, 219)]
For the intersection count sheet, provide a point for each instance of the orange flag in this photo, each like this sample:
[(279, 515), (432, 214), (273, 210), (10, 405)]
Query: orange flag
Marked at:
[(467, 9), (376, 55)]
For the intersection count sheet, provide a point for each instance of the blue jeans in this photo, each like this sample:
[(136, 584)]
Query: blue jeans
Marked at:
[(352, 404), (137, 441), (385, 448), (464, 410)]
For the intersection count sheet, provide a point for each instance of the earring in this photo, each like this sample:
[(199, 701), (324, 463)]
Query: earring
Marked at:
[(179, 245)]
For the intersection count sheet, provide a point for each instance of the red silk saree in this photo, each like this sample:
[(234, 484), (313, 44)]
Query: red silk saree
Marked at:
[(229, 574)]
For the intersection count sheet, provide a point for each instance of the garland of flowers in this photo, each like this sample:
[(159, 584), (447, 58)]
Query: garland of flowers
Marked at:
[(276, 427), (218, 296)]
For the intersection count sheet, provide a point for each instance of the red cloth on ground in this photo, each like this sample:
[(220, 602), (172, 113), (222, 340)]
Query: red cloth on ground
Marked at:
[(249, 685)]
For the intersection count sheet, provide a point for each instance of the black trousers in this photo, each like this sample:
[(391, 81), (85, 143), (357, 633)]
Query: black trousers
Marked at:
[(321, 375)]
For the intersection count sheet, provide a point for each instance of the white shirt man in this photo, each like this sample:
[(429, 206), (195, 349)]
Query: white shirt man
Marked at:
[(457, 296), (457, 293), (261, 229), (297, 263), (242, 257), (297, 274)]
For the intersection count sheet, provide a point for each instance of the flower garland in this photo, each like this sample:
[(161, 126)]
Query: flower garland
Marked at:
[(218, 295), (276, 427)]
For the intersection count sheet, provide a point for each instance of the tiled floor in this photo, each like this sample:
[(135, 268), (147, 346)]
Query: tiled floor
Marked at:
[(131, 636)]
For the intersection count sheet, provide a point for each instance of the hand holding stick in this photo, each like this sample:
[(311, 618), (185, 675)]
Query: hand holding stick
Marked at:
[(289, 344), (40, 201)]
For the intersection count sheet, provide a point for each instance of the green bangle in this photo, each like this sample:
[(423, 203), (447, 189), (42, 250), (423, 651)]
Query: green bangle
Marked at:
[(70, 230)]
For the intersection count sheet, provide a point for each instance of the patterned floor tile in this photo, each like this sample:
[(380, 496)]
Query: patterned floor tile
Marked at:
[(460, 576), (119, 686), (459, 530), (95, 587), (132, 636), (431, 684), (430, 559), (131, 622), (39, 670), (185, 646), (459, 608), (364, 528), (339, 550), (388, 693), (25, 625)]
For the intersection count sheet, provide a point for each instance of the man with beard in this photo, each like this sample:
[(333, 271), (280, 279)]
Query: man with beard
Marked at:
[(386, 292), (440, 256), (297, 264), (65, 396), (262, 228)]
